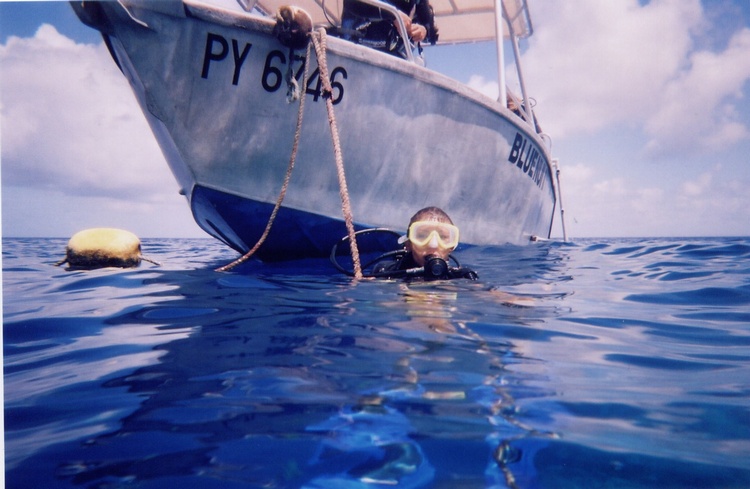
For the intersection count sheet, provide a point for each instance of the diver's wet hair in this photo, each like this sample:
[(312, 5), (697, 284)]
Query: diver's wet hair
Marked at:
[(430, 214)]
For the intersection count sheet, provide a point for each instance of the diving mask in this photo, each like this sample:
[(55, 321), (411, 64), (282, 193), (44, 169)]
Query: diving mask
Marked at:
[(422, 232)]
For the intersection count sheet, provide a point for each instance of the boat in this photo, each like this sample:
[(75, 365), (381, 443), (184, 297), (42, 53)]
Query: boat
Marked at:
[(215, 85)]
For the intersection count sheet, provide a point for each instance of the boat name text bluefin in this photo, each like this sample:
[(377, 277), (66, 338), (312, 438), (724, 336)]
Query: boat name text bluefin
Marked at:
[(272, 77), (528, 159)]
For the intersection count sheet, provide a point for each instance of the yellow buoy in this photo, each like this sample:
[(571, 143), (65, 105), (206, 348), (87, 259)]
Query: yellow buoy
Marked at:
[(103, 247)]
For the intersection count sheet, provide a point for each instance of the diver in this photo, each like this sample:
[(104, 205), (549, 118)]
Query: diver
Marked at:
[(430, 238), (368, 25), (426, 254)]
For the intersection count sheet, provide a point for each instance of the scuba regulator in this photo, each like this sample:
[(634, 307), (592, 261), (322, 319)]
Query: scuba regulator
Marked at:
[(435, 268)]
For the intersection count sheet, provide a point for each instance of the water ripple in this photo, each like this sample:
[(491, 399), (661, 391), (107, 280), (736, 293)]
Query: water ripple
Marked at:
[(597, 363)]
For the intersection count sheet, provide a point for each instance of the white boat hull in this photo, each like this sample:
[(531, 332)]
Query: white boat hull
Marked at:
[(210, 84)]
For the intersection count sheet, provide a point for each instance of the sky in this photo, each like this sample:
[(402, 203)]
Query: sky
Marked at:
[(647, 105)]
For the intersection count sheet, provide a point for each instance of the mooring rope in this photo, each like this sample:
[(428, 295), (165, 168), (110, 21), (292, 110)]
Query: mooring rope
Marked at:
[(319, 41), (287, 177), (320, 50)]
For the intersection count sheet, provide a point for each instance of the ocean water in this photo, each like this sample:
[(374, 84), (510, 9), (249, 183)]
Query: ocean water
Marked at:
[(617, 363)]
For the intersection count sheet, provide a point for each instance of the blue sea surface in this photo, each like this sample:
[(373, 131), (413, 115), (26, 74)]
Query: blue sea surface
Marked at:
[(601, 363)]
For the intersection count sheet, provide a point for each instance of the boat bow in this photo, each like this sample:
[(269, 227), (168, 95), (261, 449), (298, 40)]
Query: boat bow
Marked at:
[(212, 84)]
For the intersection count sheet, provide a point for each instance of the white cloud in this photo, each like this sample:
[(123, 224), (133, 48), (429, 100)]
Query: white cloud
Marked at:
[(698, 106), (610, 188), (71, 123), (714, 202), (634, 91), (594, 65), (699, 186), (482, 85), (718, 206), (76, 150)]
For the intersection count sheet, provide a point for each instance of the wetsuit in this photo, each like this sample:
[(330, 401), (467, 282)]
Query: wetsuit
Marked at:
[(403, 264)]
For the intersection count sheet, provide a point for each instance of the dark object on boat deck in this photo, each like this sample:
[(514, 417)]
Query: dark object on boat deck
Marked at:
[(292, 26)]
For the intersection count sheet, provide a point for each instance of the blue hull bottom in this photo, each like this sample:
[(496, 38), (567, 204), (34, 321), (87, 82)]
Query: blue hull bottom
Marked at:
[(295, 234)]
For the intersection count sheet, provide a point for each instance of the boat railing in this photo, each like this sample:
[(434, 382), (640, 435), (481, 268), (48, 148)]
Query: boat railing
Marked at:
[(400, 26), (512, 22), (525, 107), (249, 5)]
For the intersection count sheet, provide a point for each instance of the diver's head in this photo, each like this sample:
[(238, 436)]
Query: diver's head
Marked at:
[(431, 236)]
